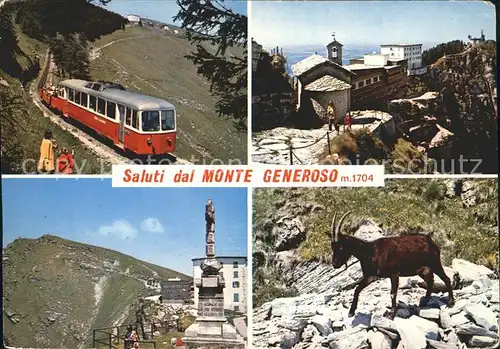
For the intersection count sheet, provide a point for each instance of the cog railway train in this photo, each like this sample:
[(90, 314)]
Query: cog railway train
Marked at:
[(135, 122)]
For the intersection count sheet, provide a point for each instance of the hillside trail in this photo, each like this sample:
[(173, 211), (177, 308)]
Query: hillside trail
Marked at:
[(107, 154), (96, 52)]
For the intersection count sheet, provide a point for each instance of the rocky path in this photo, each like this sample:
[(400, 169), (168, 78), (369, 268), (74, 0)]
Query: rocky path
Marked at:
[(318, 317)]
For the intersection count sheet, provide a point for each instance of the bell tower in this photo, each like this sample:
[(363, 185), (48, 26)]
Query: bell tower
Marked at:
[(334, 50)]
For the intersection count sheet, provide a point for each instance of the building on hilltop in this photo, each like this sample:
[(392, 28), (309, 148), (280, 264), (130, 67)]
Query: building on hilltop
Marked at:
[(474, 41), (410, 52), (366, 83), (134, 19), (234, 272), (319, 81)]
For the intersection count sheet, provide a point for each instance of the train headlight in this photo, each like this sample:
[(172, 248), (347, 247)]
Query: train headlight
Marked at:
[(150, 141), (169, 141)]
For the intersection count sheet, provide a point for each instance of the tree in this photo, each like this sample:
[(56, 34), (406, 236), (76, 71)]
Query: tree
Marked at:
[(219, 33)]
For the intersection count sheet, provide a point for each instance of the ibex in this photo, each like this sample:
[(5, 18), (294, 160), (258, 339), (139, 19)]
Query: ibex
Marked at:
[(389, 258)]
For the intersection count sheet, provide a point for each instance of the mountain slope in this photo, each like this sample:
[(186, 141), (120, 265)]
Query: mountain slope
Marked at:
[(57, 290), (153, 62)]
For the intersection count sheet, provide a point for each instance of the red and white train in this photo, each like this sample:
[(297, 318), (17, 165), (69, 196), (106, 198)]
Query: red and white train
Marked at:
[(135, 122)]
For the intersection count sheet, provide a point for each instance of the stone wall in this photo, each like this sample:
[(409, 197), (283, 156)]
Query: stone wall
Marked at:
[(339, 98), (271, 110)]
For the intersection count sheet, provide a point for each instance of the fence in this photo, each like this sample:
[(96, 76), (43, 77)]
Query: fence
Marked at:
[(291, 148), (112, 337)]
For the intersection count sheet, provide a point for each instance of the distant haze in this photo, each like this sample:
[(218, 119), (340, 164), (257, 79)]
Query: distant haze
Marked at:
[(291, 24)]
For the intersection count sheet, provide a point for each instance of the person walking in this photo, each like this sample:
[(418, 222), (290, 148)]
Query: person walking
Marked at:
[(46, 163)]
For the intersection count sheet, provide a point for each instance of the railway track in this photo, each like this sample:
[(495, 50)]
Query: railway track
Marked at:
[(109, 154)]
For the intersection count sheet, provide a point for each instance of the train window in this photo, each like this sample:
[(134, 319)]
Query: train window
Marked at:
[(128, 119), (167, 120), (93, 102), (71, 94), (77, 97), (111, 110), (84, 99), (96, 87), (135, 121), (101, 106), (150, 121)]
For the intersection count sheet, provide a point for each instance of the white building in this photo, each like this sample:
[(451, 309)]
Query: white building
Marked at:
[(376, 59), (411, 52), (133, 19), (234, 272)]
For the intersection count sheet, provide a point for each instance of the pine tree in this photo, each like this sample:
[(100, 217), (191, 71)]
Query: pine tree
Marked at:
[(218, 32)]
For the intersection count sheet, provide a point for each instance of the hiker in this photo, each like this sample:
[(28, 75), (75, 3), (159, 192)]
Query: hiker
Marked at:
[(347, 121), (336, 125), (46, 162), (66, 161), (331, 114)]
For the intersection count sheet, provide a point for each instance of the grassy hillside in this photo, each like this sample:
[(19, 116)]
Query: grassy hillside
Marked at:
[(468, 231), (153, 62), (55, 290), (21, 140)]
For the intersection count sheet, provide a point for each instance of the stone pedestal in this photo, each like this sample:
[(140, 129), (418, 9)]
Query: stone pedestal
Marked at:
[(211, 329)]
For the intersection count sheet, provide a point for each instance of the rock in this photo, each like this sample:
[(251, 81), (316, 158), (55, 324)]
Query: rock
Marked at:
[(323, 324), (378, 340), (309, 333), (483, 341), (444, 318), (283, 307), (469, 272), (415, 330), (482, 316), (403, 313), (459, 319), (442, 345), (429, 313), (355, 338), (290, 233), (360, 319), (274, 340), (380, 321), (469, 197), (453, 188), (296, 325), (288, 340), (472, 329), (368, 230)]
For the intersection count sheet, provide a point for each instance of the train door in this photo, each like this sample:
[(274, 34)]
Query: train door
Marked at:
[(121, 128), (65, 102)]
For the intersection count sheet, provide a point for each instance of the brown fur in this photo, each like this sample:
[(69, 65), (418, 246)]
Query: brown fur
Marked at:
[(391, 258)]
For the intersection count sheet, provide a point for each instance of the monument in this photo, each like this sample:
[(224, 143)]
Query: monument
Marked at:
[(211, 329)]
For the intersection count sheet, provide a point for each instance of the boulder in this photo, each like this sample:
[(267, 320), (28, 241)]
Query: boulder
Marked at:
[(290, 232), (482, 316), (323, 324), (469, 272), (483, 341), (378, 340), (444, 318), (429, 313), (415, 331), (355, 338), (474, 330)]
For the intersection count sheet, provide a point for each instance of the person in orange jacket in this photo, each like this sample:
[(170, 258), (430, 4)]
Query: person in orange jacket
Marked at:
[(47, 157)]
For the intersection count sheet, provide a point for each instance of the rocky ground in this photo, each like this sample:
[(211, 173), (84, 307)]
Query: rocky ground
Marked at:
[(272, 146), (318, 316)]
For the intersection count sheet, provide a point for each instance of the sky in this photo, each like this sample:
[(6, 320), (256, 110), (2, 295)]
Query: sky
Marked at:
[(162, 10), (164, 226), (288, 24)]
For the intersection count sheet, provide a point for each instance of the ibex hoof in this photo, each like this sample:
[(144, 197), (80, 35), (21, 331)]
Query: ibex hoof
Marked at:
[(351, 313), (451, 303), (391, 314)]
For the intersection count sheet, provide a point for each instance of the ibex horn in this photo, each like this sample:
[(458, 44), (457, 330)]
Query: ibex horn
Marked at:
[(340, 224), (333, 226)]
